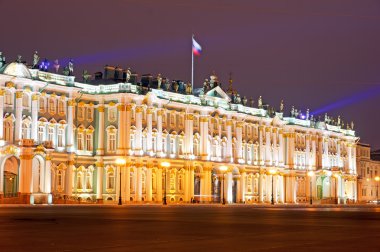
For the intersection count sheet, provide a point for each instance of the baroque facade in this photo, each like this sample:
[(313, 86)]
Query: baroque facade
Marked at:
[(60, 140), (368, 174)]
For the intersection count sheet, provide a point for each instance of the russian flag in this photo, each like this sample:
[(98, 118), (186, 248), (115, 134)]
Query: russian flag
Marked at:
[(197, 49)]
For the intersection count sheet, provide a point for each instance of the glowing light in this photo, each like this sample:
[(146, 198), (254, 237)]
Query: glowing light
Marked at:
[(377, 178), (165, 164), (223, 168), (310, 173), (328, 173), (121, 161), (272, 171)]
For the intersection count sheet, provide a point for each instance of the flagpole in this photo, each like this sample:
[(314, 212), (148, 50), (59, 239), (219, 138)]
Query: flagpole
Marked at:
[(192, 65)]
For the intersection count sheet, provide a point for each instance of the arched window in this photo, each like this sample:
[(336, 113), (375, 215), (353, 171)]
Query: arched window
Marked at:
[(52, 108), (172, 181), (111, 139), (131, 182), (196, 147), (89, 144), (180, 147), (79, 180), (180, 182), (25, 130), (172, 145), (249, 184), (80, 140), (110, 179), (89, 180), (154, 145), (61, 138), (60, 179), (41, 133), (143, 184), (154, 182), (112, 114), (42, 104), (214, 148), (51, 134), (90, 112), (61, 107), (81, 113)]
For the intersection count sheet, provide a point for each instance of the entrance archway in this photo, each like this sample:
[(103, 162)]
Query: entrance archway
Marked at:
[(216, 186), (10, 177)]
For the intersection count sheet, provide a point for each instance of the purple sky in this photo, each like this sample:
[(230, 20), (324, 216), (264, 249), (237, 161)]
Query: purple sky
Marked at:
[(322, 55)]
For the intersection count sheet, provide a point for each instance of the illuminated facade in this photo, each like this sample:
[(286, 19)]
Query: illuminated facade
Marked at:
[(368, 174), (60, 140)]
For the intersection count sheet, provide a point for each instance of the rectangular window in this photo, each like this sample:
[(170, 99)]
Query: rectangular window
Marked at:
[(60, 137), (89, 142)]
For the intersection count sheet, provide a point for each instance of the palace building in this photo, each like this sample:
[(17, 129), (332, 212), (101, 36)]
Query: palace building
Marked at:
[(62, 141)]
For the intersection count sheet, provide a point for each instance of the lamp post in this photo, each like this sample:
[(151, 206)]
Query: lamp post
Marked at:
[(336, 189), (223, 169), (310, 174), (165, 165), (272, 172), (120, 162), (377, 178)]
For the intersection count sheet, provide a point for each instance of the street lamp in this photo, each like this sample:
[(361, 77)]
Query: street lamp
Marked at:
[(336, 175), (377, 178), (310, 174), (165, 165), (272, 172), (223, 169), (120, 162)]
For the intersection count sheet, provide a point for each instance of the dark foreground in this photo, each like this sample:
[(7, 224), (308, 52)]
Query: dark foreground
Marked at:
[(188, 228)]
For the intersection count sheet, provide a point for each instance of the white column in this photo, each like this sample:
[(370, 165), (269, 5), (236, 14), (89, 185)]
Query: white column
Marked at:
[(189, 135), (313, 162), (281, 189), (18, 122), (149, 133), (138, 133), (1, 118), (281, 150), (338, 154), (148, 184), (261, 146), (127, 183), (229, 156), (275, 149), (229, 187), (35, 109), (326, 162), (160, 112), (128, 127), (159, 185), (121, 129), (242, 186), (204, 137), (261, 186), (268, 146), (99, 181), (100, 128), (191, 183), (290, 149), (138, 184), (239, 130), (69, 133), (69, 179), (307, 154)]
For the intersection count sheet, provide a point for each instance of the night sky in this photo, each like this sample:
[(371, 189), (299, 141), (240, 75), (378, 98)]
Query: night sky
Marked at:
[(323, 55)]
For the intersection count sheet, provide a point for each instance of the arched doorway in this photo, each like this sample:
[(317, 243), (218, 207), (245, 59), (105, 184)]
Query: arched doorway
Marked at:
[(37, 174), (197, 184), (216, 186), (10, 177)]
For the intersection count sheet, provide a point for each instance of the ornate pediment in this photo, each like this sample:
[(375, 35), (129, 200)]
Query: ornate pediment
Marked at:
[(218, 93)]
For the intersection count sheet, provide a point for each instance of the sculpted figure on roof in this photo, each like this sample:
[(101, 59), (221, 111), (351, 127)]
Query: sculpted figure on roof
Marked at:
[(2, 60)]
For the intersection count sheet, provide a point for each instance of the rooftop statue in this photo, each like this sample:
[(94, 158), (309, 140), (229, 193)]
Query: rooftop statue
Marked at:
[(159, 81), (56, 66), (245, 100), (260, 102), (213, 80), (352, 125), (189, 89), (19, 59), (36, 59), (251, 102), (338, 122), (128, 75), (206, 86), (86, 76), (282, 106), (71, 67), (292, 112), (66, 71), (307, 114), (237, 99), (2, 60)]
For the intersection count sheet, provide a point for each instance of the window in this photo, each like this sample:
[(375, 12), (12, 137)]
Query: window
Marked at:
[(172, 146), (154, 185), (90, 114), (143, 184), (172, 181), (42, 104), (51, 134), (59, 179), (81, 113), (112, 114), (61, 107), (89, 141), (60, 137), (131, 182), (79, 180), (52, 106), (111, 139), (180, 182), (196, 147), (110, 179), (180, 147), (41, 133), (80, 144), (25, 130), (88, 180), (8, 131), (249, 184)]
